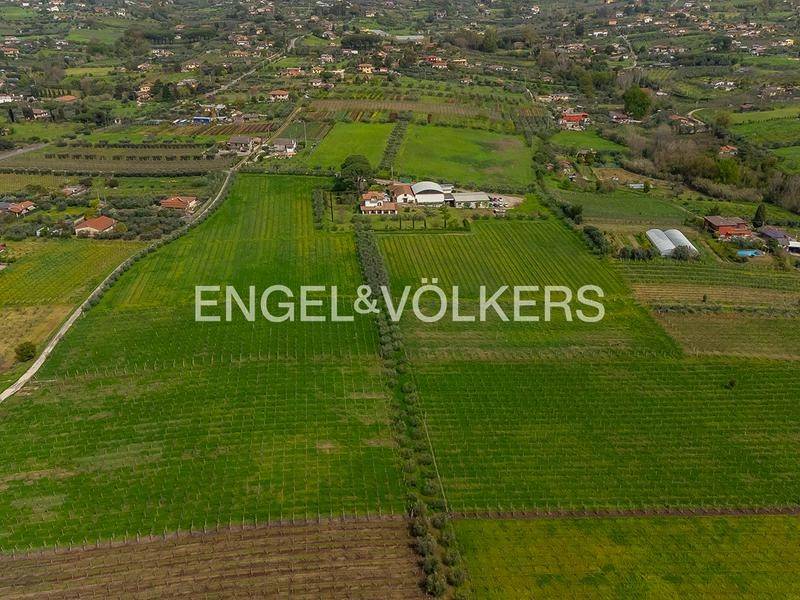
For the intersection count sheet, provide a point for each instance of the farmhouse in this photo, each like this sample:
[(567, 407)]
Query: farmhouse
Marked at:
[(95, 226), (240, 143), (278, 96), (184, 203), (728, 151), (19, 209), (377, 203), (573, 121), (725, 227), (402, 193), (365, 68), (283, 147)]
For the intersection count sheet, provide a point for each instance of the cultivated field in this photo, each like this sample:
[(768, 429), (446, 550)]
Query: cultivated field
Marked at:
[(471, 158), (140, 159), (673, 557), (625, 207), (736, 334), (531, 416), (48, 280), (145, 420), (344, 139), (353, 559)]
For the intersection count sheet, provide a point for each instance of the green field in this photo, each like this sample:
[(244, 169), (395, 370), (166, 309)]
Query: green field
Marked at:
[(672, 557), (771, 133), (368, 139), (623, 432), (34, 131), (537, 415), (623, 206), (145, 420), (48, 279), (585, 140), (471, 158), (790, 158)]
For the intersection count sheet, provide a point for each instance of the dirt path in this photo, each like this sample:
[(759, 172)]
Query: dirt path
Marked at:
[(23, 150)]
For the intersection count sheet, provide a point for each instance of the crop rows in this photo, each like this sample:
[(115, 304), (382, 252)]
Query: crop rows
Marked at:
[(621, 434), (355, 558), (147, 420)]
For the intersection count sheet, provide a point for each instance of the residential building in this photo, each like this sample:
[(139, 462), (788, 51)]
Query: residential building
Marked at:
[(377, 203), (95, 226), (283, 147), (184, 203), (19, 209), (726, 227)]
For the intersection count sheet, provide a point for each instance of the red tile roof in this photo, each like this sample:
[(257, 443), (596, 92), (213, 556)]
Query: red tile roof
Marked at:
[(101, 223)]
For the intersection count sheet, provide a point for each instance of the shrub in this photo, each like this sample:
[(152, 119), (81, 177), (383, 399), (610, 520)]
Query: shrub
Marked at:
[(25, 351)]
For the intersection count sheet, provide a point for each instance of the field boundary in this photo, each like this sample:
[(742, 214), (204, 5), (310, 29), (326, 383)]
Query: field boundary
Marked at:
[(231, 528), (615, 513)]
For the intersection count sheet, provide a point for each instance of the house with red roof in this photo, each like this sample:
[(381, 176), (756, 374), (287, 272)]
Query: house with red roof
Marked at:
[(184, 203), (19, 209), (575, 121), (95, 226)]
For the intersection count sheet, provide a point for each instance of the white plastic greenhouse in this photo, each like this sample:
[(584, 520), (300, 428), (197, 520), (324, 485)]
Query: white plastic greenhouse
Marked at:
[(660, 240), (677, 238)]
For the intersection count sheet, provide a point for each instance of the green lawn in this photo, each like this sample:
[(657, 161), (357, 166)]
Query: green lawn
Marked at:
[(585, 140), (145, 420), (672, 557), (32, 131), (368, 139), (471, 158)]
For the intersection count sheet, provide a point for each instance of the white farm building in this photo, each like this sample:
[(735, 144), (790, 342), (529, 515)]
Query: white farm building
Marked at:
[(428, 192), (666, 242)]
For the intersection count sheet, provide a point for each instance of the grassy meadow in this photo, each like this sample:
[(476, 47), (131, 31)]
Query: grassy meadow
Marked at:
[(585, 140), (471, 158), (145, 420), (672, 557), (344, 139)]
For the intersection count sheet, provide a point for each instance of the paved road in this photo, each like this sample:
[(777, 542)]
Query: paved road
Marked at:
[(23, 150)]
